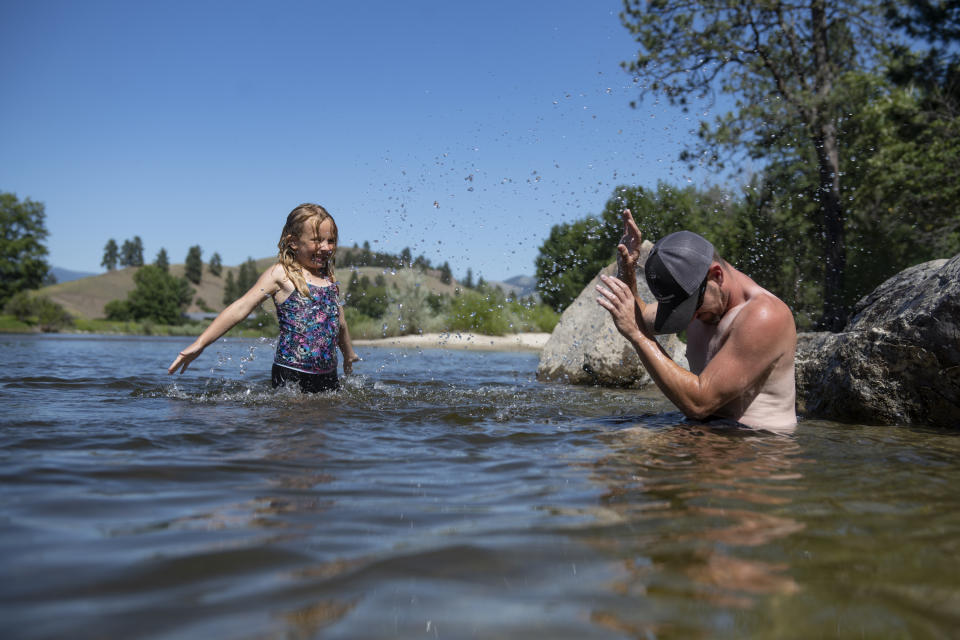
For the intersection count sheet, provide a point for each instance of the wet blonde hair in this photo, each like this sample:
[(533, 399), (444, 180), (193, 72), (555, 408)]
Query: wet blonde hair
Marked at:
[(297, 221)]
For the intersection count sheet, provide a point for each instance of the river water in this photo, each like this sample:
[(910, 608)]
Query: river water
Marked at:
[(445, 494)]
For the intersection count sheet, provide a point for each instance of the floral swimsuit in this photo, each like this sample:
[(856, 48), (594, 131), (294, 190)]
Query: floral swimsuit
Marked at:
[(309, 330)]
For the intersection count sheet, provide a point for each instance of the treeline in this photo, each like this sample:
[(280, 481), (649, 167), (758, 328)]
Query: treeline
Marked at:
[(375, 307), (130, 254), (365, 257), (24, 266), (853, 119)]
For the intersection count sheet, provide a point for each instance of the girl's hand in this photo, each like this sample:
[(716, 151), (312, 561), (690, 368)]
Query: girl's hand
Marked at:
[(184, 358), (348, 363)]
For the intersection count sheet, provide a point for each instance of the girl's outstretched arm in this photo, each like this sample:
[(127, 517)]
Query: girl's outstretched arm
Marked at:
[(239, 309), (346, 347)]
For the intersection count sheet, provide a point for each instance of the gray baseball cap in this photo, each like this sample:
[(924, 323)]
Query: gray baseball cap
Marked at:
[(676, 271)]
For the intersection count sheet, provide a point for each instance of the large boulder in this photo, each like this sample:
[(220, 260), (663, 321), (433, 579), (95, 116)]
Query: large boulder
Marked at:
[(586, 348), (897, 360)]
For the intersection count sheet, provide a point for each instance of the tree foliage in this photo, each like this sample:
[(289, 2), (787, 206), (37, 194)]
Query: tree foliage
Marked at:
[(23, 263), (38, 310), (235, 286), (193, 265), (215, 266), (131, 253), (162, 260), (111, 255), (158, 296), (366, 297), (229, 289), (788, 64), (247, 276), (446, 274), (575, 252)]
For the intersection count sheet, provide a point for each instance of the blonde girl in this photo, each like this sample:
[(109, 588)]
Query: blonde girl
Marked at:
[(306, 295)]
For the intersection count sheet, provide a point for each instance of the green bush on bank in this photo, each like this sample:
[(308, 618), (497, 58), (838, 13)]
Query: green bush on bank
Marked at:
[(35, 311), (9, 324)]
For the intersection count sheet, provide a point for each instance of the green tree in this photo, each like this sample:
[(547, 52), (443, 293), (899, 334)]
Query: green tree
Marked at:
[(23, 263), (368, 298), (468, 280), (247, 276), (158, 296), (111, 255), (571, 256), (162, 260), (480, 312), (899, 155), (575, 252), (446, 275), (229, 289), (215, 266), (406, 257), (421, 263), (117, 310), (193, 266), (787, 63), (131, 253), (904, 207)]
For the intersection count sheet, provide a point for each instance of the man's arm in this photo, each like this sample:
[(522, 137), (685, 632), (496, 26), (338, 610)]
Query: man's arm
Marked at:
[(753, 346)]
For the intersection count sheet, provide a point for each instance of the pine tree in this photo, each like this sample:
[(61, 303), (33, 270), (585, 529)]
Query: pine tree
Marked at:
[(162, 261), (229, 289), (193, 267), (111, 254), (215, 266)]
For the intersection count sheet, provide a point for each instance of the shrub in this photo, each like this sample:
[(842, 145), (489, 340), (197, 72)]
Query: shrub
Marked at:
[(39, 310), (117, 310), (479, 312), (158, 296), (20, 306)]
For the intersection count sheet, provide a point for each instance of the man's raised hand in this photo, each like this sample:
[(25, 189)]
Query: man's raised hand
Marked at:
[(628, 251)]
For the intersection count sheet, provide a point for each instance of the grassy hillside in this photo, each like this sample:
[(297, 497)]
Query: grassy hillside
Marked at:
[(86, 297)]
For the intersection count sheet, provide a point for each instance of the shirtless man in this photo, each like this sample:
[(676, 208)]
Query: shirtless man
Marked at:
[(741, 339)]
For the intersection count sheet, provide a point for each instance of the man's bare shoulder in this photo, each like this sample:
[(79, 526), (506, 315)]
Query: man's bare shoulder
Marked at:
[(765, 320)]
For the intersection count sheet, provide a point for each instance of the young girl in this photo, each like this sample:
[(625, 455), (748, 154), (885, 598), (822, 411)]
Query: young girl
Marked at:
[(306, 294)]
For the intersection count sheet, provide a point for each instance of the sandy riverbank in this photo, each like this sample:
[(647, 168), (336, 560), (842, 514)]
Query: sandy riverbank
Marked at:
[(461, 340)]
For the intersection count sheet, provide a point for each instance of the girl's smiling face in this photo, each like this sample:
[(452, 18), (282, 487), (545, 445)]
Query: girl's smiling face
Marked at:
[(315, 246)]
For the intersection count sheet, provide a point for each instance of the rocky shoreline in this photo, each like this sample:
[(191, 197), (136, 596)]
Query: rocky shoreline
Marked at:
[(897, 362)]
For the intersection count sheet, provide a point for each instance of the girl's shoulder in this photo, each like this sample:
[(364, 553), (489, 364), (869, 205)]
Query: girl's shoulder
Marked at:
[(278, 274), (276, 271)]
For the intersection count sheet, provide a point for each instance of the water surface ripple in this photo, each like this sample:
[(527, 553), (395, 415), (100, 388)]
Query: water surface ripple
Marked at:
[(445, 494)]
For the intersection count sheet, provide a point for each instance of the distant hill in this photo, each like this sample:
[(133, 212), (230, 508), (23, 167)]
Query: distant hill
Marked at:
[(66, 275), (86, 296), (523, 285)]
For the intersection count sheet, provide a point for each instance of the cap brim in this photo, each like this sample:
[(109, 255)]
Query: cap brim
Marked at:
[(674, 319)]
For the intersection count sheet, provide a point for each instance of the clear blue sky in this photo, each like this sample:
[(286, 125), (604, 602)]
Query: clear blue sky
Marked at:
[(463, 130)]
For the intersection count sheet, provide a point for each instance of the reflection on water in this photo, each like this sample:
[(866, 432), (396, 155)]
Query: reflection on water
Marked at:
[(697, 505), (446, 494)]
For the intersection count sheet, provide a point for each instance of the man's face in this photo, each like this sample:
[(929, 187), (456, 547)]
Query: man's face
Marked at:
[(711, 311)]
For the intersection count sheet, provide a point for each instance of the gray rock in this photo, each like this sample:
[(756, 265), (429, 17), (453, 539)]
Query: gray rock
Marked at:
[(897, 360), (586, 348)]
